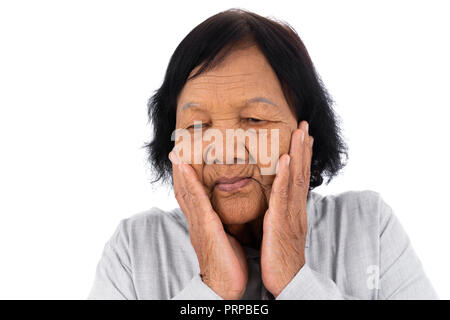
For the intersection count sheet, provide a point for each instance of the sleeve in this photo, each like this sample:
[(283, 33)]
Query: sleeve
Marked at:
[(401, 275), (311, 285), (196, 289), (113, 278)]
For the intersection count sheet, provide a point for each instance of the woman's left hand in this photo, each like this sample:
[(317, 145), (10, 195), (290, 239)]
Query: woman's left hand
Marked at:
[(285, 224)]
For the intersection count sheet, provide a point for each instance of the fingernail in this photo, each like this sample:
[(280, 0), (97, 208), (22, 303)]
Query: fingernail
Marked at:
[(307, 127), (174, 157), (288, 160), (303, 136), (311, 141)]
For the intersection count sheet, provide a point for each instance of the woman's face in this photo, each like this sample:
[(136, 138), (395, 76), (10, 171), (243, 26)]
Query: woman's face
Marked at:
[(239, 193)]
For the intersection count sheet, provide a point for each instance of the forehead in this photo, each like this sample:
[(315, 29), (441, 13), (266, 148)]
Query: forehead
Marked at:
[(243, 74)]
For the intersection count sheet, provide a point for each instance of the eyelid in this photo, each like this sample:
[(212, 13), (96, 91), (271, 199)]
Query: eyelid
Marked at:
[(258, 120), (193, 125), (247, 119)]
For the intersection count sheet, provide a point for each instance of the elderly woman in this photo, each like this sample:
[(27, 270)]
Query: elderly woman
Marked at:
[(244, 231)]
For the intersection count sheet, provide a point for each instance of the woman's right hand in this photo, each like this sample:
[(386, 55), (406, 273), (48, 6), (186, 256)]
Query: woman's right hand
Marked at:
[(222, 261)]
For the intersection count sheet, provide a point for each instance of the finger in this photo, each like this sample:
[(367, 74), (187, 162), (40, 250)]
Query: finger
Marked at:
[(304, 125), (179, 186), (301, 168), (196, 213), (306, 170), (299, 173), (308, 159), (198, 198), (296, 153), (280, 187), (298, 180), (306, 155)]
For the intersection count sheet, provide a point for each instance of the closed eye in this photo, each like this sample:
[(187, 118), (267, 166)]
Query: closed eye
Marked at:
[(198, 125), (254, 120)]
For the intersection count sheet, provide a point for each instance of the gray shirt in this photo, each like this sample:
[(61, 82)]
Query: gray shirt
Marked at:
[(355, 249)]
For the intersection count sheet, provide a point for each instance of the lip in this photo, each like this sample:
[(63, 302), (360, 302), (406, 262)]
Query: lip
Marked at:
[(232, 184)]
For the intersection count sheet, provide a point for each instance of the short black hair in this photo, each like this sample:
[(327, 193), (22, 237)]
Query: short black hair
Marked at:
[(290, 60)]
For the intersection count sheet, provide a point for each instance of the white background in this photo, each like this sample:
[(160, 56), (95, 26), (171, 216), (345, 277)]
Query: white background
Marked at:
[(75, 77)]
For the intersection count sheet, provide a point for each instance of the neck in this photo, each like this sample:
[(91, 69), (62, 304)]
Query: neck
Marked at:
[(249, 234)]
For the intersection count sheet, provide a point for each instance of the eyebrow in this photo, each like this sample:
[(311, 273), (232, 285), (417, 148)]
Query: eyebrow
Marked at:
[(261, 99), (252, 100)]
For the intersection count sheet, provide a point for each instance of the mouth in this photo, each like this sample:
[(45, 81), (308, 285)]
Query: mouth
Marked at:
[(232, 184)]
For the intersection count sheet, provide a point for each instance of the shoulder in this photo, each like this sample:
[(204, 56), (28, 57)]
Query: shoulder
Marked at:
[(148, 228), (154, 217), (355, 202), (356, 210), (362, 199)]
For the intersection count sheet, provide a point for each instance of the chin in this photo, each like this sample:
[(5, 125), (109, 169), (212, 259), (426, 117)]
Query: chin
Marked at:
[(238, 210)]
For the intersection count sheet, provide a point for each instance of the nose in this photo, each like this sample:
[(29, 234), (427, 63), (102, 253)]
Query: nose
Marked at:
[(225, 153), (230, 145)]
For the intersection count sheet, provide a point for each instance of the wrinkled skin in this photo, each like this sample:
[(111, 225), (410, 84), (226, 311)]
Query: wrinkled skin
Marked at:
[(269, 213)]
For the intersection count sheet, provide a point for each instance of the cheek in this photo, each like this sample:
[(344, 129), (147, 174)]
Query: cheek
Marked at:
[(285, 140), (276, 145), (198, 168)]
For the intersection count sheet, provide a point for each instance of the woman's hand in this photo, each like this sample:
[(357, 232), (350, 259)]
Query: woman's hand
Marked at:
[(222, 261), (285, 224)]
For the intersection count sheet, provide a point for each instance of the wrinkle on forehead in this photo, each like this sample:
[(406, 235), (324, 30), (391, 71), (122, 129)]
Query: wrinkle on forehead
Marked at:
[(224, 75), (242, 75), (248, 101), (202, 84), (237, 55)]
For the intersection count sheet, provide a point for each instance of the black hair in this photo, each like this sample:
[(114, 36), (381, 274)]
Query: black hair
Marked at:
[(287, 55)]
